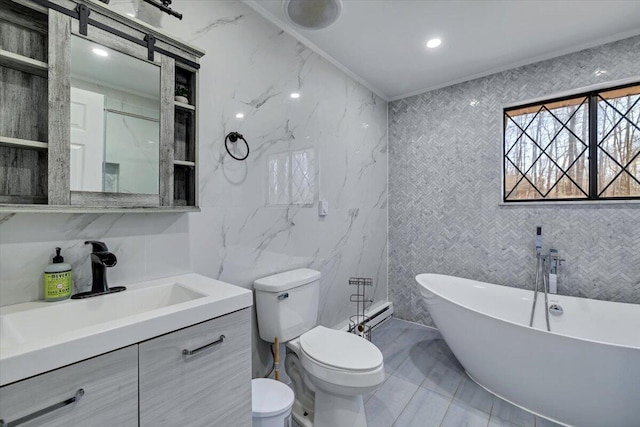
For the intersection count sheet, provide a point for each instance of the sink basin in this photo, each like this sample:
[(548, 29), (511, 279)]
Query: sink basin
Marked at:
[(8, 333), (37, 337), (39, 323)]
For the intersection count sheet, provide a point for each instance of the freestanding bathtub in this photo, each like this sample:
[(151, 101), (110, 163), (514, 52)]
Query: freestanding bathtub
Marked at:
[(585, 372)]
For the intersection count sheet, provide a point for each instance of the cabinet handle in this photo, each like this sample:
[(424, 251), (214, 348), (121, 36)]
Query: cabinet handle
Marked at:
[(43, 411), (187, 353)]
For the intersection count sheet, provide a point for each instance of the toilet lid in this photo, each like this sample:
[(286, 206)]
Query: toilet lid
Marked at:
[(270, 397), (340, 349)]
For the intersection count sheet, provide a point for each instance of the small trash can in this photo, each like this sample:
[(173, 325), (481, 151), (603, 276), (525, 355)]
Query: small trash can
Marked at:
[(271, 403)]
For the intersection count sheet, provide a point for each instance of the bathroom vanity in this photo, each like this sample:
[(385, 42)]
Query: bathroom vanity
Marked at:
[(174, 351), (90, 120)]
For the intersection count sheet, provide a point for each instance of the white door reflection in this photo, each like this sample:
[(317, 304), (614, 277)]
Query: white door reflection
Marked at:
[(87, 146)]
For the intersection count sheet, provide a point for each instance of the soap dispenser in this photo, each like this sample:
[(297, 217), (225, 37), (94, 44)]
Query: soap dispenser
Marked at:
[(57, 279)]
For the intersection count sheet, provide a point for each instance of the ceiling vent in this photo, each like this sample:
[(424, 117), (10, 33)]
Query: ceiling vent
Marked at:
[(312, 14)]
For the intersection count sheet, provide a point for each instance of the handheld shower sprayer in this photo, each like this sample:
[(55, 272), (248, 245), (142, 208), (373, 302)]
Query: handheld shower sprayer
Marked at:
[(538, 240)]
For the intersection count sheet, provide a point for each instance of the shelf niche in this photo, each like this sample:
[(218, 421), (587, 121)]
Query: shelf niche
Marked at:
[(185, 146), (24, 110)]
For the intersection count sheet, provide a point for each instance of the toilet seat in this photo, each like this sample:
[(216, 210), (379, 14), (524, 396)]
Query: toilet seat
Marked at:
[(340, 350), (340, 359)]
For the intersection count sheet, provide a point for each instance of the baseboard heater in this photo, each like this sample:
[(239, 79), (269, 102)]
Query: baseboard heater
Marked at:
[(376, 316), (380, 314)]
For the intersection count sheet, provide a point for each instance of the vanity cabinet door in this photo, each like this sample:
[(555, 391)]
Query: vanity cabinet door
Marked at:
[(105, 389), (209, 387)]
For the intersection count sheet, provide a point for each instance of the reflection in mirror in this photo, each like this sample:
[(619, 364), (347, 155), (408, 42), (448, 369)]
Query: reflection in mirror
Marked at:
[(115, 127)]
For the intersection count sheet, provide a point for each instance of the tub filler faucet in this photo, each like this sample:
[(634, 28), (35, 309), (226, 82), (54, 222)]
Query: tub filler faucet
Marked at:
[(546, 268), (554, 263), (101, 258)]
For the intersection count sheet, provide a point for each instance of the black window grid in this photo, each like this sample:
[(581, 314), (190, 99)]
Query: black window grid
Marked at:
[(592, 146)]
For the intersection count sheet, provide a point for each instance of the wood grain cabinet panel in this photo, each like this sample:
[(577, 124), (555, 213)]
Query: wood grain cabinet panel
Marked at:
[(209, 388), (109, 382)]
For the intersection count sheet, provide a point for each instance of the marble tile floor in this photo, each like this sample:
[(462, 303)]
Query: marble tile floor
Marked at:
[(426, 386)]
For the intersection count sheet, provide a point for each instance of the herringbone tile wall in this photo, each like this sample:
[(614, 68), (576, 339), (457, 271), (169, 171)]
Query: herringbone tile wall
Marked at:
[(445, 189)]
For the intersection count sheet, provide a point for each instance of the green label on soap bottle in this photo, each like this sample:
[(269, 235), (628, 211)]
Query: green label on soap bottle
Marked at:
[(57, 285)]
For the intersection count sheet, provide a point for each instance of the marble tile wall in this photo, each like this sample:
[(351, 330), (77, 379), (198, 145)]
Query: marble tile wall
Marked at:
[(445, 182), (147, 246), (251, 66)]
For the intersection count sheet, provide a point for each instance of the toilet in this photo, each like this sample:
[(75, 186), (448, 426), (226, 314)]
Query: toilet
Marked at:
[(330, 369)]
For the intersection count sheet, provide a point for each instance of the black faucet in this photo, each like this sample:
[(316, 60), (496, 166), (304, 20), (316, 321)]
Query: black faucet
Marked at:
[(101, 258)]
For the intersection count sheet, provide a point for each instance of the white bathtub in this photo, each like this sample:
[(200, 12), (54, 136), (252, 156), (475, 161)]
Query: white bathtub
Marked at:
[(585, 372)]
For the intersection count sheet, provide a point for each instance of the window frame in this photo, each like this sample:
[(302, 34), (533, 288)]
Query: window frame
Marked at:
[(591, 94)]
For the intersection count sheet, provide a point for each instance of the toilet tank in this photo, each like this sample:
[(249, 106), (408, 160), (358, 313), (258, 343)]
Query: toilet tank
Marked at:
[(287, 303)]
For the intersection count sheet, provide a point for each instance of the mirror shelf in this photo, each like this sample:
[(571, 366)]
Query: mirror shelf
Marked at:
[(23, 143), (23, 63), (37, 159)]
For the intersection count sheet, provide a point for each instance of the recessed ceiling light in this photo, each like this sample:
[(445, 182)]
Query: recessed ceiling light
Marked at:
[(240, 116), (100, 52), (434, 43), (295, 95)]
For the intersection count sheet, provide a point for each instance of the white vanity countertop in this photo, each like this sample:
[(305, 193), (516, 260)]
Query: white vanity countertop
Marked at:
[(37, 337)]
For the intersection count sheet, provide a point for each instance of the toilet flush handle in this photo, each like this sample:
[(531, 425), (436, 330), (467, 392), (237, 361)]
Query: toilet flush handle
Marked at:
[(283, 296)]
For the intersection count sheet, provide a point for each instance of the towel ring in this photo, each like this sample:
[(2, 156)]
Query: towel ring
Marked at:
[(233, 137)]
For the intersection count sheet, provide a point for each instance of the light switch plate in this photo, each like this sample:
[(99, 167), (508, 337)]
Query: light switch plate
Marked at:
[(323, 208)]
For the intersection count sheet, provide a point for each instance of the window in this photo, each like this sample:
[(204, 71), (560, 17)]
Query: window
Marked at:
[(292, 177), (584, 147)]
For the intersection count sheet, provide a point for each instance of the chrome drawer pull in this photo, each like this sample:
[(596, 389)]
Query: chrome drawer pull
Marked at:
[(186, 353), (44, 411)]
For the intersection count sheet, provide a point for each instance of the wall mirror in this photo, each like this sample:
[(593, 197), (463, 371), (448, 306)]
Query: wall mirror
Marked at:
[(115, 126)]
